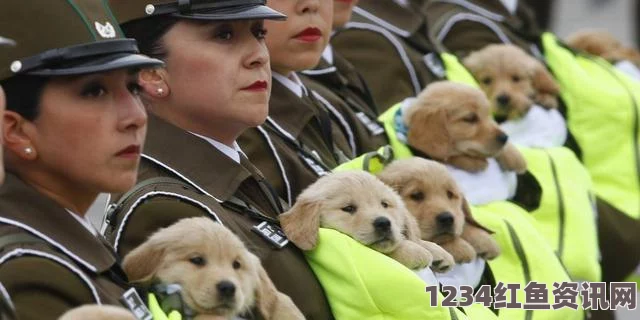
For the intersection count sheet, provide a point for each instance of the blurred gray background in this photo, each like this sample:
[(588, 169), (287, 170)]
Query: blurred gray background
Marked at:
[(615, 16)]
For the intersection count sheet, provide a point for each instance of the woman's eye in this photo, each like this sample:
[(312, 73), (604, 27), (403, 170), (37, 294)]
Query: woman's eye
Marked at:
[(93, 91), (134, 88), (350, 209), (472, 118), (261, 33), (224, 35)]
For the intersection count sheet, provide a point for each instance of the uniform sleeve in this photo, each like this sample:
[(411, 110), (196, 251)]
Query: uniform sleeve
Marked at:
[(467, 36), (143, 218), (44, 286), (379, 62)]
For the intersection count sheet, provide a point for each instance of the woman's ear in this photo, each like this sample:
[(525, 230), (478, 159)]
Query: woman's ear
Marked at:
[(18, 135), (154, 83)]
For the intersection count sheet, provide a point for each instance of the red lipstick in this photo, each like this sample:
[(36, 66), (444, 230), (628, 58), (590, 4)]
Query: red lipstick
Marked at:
[(259, 85), (309, 35), (129, 152)]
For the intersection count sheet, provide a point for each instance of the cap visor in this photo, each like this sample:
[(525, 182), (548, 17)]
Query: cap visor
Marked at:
[(237, 13), (108, 63), (6, 42)]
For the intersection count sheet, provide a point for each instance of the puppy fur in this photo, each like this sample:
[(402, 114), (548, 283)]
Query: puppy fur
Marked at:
[(97, 312), (512, 79), (443, 215), (452, 123), (218, 275), (358, 204), (603, 44)]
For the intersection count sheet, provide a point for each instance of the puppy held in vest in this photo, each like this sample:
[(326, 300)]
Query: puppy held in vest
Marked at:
[(451, 123), (435, 200), (218, 275), (512, 79), (603, 44), (358, 204)]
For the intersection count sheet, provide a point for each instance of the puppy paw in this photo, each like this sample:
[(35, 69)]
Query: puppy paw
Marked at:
[(547, 101), (510, 159), (468, 163), (461, 250), (486, 247), (442, 260), (412, 255)]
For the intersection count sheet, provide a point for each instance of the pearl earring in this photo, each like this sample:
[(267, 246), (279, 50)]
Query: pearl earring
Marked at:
[(28, 150), (160, 91)]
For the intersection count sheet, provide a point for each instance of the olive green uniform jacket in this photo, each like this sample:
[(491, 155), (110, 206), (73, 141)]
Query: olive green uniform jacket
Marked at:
[(293, 147), (387, 44), (58, 264), (618, 233), (341, 84), (202, 182)]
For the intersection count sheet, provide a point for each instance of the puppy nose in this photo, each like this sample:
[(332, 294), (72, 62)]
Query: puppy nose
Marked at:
[(226, 289), (445, 219), (502, 138), (382, 224), (503, 99)]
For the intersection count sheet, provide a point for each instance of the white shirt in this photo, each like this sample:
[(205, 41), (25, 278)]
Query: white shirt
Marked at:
[(511, 5), (327, 54), (84, 221), (233, 153), (292, 82), (539, 128)]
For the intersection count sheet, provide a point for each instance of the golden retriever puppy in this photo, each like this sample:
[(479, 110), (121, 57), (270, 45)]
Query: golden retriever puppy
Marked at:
[(358, 204), (218, 275), (603, 44), (452, 123), (437, 203), (97, 312), (512, 79)]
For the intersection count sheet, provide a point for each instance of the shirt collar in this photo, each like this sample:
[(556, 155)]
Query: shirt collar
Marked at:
[(510, 5), (233, 153), (292, 82), (84, 221), (327, 54)]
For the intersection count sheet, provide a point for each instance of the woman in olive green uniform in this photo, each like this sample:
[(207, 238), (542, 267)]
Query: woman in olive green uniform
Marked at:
[(215, 85), (305, 135), (73, 128), (338, 81)]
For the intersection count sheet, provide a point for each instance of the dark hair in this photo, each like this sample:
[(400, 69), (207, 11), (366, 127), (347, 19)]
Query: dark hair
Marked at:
[(148, 33), (23, 93)]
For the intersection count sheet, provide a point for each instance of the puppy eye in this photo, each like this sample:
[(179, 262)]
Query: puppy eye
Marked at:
[(486, 81), (236, 264), (450, 194), (350, 209), (198, 261), (384, 204), (417, 196), (472, 118), (516, 78)]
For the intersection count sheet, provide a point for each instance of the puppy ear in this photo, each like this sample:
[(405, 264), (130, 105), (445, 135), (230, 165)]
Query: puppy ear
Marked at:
[(271, 303), (472, 62), (543, 81), (141, 264), (301, 224), (428, 132), (468, 217)]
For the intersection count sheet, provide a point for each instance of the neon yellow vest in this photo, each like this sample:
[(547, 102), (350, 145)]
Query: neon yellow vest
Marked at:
[(362, 283), (565, 216), (602, 109)]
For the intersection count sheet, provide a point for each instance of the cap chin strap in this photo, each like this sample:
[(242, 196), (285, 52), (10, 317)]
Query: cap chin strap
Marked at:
[(69, 54)]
